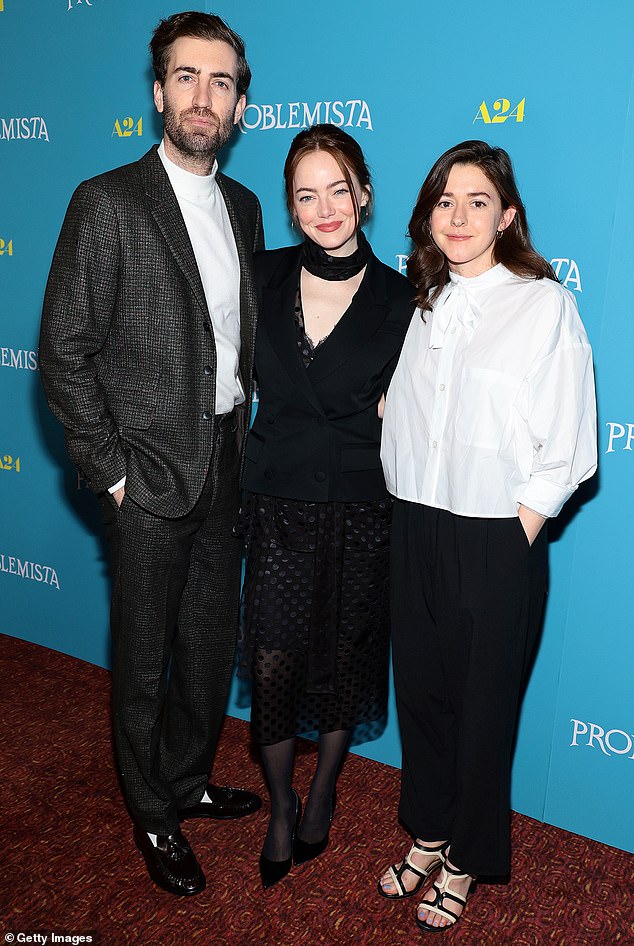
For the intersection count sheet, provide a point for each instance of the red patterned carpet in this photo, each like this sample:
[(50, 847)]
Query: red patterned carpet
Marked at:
[(70, 865)]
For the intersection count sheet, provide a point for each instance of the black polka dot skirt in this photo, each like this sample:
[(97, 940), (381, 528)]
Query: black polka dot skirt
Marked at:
[(315, 616)]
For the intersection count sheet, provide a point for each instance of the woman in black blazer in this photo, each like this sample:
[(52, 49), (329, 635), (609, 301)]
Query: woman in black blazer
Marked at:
[(317, 514)]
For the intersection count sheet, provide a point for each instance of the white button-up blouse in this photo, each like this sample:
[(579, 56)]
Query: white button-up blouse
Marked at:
[(492, 403)]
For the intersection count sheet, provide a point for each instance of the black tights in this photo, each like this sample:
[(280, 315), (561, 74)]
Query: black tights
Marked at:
[(278, 765)]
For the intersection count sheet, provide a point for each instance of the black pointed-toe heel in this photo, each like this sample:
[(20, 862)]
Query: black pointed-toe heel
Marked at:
[(272, 871), (305, 850)]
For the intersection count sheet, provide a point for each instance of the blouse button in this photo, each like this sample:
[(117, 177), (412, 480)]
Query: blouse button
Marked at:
[(441, 387), (434, 444)]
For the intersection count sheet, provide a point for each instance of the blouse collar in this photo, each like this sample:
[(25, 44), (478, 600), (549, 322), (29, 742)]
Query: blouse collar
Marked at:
[(457, 304), (491, 277)]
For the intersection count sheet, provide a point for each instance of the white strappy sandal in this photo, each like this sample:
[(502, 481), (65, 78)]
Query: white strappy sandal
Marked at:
[(443, 892), (396, 872)]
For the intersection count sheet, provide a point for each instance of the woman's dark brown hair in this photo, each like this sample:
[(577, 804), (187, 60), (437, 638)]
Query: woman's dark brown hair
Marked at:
[(346, 152), (200, 26), (427, 266)]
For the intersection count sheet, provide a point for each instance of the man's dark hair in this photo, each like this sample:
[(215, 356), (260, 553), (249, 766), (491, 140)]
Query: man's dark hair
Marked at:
[(201, 26)]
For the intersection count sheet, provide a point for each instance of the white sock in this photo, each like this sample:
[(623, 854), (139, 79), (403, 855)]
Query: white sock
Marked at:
[(152, 838), (205, 797)]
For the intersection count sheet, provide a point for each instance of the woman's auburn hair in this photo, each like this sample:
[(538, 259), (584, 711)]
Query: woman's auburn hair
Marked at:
[(427, 266), (343, 148)]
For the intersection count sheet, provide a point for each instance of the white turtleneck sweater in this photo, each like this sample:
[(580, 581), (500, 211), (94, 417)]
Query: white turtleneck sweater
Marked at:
[(212, 239)]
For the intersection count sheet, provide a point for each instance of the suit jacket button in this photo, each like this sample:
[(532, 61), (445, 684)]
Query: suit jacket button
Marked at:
[(322, 421), (268, 474), (207, 326), (208, 370), (207, 415), (320, 476)]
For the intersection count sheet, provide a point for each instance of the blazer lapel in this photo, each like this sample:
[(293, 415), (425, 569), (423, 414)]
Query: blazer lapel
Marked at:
[(365, 316), (277, 320), (167, 213)]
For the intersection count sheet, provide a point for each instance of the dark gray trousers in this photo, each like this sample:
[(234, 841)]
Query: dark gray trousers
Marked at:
[(174, 616), (467, 603)]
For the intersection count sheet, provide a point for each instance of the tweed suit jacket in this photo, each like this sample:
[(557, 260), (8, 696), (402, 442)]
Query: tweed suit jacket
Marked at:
[(127, 351), (316, 435)]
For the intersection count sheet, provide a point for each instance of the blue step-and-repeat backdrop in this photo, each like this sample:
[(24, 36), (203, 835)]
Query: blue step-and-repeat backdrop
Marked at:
[(549, 81)]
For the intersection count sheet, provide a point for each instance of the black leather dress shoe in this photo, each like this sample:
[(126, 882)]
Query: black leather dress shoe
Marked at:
[(225, 803), (171, 863)]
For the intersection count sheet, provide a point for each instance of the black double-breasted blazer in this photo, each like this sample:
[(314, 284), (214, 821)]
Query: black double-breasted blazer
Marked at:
[(127, 352), (316, 434)]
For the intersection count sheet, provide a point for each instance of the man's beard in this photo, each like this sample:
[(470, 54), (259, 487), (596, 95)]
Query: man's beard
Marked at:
[(201, 143)]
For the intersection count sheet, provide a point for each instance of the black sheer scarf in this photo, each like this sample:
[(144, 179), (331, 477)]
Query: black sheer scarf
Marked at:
[(319, 263)]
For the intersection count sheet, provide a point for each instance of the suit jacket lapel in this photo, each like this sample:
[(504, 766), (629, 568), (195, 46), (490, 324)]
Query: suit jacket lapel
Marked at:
[(245, 257), (167, 213), (365, 316)]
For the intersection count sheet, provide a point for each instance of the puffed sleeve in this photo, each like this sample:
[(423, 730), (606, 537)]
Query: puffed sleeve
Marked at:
[(562, 417)]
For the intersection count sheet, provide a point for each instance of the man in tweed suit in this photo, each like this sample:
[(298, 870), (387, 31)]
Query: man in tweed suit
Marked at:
[(146, 354)]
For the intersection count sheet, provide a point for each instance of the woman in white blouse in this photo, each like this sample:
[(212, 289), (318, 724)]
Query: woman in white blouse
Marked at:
[(489, 427)]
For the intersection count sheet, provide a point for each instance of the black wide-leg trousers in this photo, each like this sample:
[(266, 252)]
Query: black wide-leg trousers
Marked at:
[(174, 618), (467, 604)]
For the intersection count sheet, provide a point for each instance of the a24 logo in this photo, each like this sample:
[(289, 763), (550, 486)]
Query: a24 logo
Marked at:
[(10, 463), (500, 112), (127, 127)]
